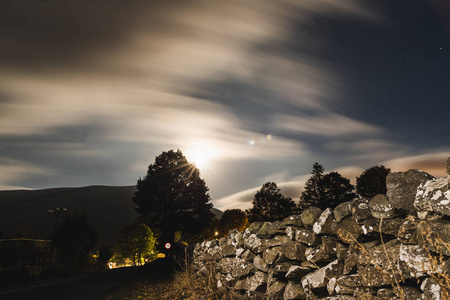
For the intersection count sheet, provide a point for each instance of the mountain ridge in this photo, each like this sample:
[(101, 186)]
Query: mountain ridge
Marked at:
[(108, 208)]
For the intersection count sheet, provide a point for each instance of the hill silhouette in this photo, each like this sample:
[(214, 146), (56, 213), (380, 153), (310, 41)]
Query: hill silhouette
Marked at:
[(108, 208)]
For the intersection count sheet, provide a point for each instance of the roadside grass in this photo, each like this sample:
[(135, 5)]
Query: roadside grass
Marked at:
[(184, 284)]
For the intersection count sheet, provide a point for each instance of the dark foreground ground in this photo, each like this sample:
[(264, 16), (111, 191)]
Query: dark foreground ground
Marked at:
[(97, 285)]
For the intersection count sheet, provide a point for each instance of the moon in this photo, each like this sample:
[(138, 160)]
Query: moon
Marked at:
[(200, 155)]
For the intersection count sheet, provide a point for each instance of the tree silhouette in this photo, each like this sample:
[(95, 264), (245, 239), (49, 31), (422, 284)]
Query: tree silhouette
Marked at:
[(172, 197), (372, 181), (314, 192), (325, 191), (232, 219), (136, 243), (270, 205), (73, 240)]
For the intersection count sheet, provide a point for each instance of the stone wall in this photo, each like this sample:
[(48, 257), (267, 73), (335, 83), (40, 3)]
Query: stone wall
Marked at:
[(394, 246)]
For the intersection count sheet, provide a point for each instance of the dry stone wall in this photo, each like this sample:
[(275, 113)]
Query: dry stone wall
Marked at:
[(394, 246)]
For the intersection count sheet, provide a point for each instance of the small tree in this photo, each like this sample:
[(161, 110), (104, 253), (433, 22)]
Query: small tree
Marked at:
[(270, 205), (73, 240), (232, 219), (337, 189), (172, 197), (372, 181), (325, 191), (136, 243)]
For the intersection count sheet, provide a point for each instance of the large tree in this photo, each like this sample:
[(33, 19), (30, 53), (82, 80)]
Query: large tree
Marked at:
[(270, 205), (232, 219), (172, 197), (372, 181), (326, 191)]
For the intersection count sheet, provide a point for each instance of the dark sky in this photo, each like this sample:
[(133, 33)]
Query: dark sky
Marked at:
[(91, 92)]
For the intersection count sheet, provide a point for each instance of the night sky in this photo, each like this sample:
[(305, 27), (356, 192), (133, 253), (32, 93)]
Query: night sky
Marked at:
[(92, 91)]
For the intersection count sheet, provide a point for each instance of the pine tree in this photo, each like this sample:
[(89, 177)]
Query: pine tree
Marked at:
[(325, 191)]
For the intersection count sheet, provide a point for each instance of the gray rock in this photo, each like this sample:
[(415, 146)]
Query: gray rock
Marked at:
[(375, 276), (435, 236), (257, 282), (269, 230), (388, 226), (293, 220), (272, 255), (310, 215), (237, 267), (253, 243), (297, 272), (402, 188), (433, 197), (347, 284), (351, 260), (412, 293), (248, 255), (414, 262), (254, 227), (380, 207), (293, 291), (260, 264), (348, 230), (360, 209), (276, 290), (385, 255), (276, 241), (320, 277), (407, 231), (279, 270), (432, 290), (306, 236), (326, 224), (325, 252), (293, 251), (341, 250), (342, 211), (228, 251)]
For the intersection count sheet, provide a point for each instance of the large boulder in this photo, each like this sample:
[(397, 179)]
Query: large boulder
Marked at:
[(293, 290), (320, 277), (388, 226), (297, 272), (433, 290), (326, 224), (360, 209), (310, 215), (275, 290), (342, 211), (305, 236), (402, 188), (433, 197), (380, 207), (434, 235), (237, 267), (414, 262), (293, 220), (348, 230), (269, 230), (293, 251)]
